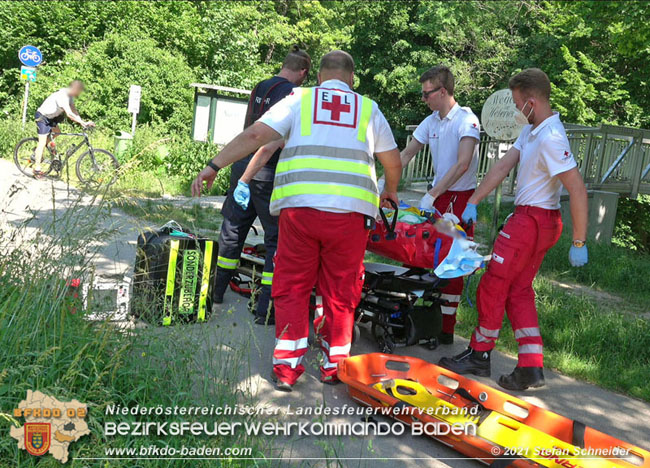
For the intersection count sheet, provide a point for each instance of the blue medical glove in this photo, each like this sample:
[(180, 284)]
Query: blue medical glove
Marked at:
[(578, 256), (469, 215), (242, 194)]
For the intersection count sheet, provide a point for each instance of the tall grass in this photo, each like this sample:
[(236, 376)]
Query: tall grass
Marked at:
[(582, 339), (45, 345)]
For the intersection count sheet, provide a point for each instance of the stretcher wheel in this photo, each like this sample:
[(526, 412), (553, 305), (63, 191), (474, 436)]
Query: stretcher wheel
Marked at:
[(383, 338)]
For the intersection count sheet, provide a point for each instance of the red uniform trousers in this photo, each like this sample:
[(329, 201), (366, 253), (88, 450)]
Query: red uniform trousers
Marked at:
[(326, 250), (508, 282), (454, 202)]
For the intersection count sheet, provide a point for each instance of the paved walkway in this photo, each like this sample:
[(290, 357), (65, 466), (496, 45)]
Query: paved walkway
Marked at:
[(230, 328)]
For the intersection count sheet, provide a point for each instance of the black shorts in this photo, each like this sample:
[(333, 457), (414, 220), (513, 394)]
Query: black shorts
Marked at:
[(45, 124)]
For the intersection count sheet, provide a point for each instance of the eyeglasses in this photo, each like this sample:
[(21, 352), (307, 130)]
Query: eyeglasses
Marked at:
[(426, 94)]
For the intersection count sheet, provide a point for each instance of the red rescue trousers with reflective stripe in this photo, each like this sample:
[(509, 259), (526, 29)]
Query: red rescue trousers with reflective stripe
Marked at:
[(322, 249), (507, 285), (454, 202)]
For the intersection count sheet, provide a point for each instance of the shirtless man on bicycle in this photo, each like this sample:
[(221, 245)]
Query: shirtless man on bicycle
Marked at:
[(51, 113)]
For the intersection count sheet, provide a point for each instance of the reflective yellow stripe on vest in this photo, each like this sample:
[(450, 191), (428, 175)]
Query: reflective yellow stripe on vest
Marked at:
[(323, 189), (306, 111), (364, 120)]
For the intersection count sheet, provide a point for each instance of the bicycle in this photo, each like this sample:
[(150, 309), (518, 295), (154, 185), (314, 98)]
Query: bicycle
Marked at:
[(94, 167)]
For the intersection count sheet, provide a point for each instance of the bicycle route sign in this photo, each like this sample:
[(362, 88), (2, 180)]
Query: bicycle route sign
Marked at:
[(30, 56), (28, 73)]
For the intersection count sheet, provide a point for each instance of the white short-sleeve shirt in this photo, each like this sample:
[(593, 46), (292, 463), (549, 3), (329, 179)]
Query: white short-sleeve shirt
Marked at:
[(56, 103), (544, 152), (443, 136)]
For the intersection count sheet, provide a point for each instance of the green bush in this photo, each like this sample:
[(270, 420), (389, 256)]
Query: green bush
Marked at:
[(11, 133), (109, 67), (632, 228)]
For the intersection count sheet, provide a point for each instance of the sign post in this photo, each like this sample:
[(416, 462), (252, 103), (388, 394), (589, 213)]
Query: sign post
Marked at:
[(498, 120), (31, 57), (135, 92)]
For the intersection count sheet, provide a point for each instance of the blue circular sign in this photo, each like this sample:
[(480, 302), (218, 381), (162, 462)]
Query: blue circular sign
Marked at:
[(30, 56)]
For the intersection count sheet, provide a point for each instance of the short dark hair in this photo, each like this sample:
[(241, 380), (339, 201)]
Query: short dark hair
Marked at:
[(337, 60), (297, 60), (531, 81), (442, 75)]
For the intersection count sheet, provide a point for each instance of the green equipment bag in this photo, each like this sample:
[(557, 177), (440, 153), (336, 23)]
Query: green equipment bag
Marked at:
[(173, 277)]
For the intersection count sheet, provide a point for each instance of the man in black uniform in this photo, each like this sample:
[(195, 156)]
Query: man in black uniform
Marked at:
[(237, 220)]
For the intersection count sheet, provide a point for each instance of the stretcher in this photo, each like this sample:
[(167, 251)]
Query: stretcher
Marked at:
[(402, 304), (508, 431)]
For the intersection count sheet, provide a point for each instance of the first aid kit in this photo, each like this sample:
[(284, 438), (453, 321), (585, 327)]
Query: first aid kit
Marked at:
[(173, 276)]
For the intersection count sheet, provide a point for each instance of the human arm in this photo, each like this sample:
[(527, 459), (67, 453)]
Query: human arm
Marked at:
[(495, 175), (73, 114), (259, 160), (406, 155), (390, 160), (465, 153), (492, 179), (410, 151), (255, 136), (572, 181)]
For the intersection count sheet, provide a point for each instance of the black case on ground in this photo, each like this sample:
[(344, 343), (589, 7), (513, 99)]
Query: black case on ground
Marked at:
[(173, 277)]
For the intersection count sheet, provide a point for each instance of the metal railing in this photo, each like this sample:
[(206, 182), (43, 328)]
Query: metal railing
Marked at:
[(610, 158)]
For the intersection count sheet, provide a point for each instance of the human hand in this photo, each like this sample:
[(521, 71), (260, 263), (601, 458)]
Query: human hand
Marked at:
[(426, 202), (578, 256), (388, 196), (207, 175), (469, 214), (242, 194)]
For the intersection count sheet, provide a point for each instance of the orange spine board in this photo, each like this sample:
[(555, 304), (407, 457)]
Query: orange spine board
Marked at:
[(359, 373)]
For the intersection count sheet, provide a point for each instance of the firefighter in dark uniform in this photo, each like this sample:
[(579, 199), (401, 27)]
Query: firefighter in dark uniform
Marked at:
[(237, 220)]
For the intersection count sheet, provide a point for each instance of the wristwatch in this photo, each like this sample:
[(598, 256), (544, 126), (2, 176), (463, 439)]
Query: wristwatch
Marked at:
[(213, 166), (578, 243)]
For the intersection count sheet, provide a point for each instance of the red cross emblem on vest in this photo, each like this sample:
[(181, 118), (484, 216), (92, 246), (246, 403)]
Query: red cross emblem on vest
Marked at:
[(336, 107)]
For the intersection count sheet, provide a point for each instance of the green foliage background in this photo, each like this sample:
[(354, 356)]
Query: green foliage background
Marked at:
[(595, 53)]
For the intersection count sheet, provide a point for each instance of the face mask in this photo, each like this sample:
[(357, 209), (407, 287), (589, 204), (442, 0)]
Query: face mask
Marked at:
[(462, 260), (521, 118)]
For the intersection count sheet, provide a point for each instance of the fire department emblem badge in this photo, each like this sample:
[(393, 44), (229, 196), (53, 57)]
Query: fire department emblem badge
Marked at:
[(37, 438)]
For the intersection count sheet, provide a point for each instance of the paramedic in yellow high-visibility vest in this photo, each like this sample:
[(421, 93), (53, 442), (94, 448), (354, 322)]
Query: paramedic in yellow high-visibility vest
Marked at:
[(325, 189)]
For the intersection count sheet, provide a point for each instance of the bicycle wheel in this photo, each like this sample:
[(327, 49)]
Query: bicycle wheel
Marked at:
[(24, 157), (97, 167)]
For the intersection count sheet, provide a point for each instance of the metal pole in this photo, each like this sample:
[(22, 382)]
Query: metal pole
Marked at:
[(25, 103), (133, 125)]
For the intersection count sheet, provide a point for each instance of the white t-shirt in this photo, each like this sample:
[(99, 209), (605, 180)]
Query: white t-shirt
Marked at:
[(544, 152), (56, 103), (443, 137)]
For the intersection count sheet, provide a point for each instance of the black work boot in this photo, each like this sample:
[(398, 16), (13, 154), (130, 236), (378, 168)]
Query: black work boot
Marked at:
[(281, 385), (267, 319), (263, 314), (522, 378), (446, 338), (468, 362), (222, 281)]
